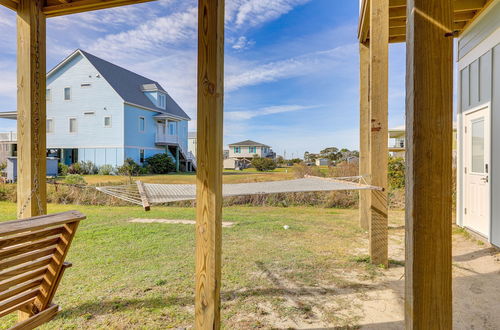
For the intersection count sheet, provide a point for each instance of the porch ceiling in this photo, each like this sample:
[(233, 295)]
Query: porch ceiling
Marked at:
[(54, 8), (465, 12)]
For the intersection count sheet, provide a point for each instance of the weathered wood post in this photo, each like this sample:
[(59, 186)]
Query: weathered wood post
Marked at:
[(364, 132), (209, 154), (429, 92), (379, 151), (31, 170)]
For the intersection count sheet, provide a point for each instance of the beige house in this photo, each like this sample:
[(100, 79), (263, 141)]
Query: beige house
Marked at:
[(397, 141), (241, 154), (192, 142)]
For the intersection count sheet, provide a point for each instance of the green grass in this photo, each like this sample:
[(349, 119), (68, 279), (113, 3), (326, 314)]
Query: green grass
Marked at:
[(133, 275), (229, 176)]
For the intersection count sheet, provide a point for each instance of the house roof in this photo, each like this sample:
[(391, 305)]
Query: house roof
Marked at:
[(249, 143), (129, 85)]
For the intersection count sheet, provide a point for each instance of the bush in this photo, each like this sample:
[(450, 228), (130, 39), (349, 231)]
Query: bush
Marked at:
[(88, 168), (263, 164), (130, 168), (159, 164), (75, 168), (3, 166), (74, 179), (106, 170), (63, 169), (301, 170), (396, 173)]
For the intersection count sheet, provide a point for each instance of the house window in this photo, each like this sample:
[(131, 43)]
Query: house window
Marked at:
[(237, 150), (48, 95), (50, 125), (107, 121), (161, 101), (67, 93), (172, 128), (73, 125), (86, 85), (141, 155), (142, 124), (252, 150)]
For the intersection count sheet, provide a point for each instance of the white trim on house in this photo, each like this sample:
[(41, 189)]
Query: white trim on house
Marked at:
[(159, 112), (484, 46), (145, 148)]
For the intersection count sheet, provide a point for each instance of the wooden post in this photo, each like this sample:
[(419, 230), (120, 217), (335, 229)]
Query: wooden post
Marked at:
[(379, 153), (31, 154), (209, 153), (364, 132), (429, 93), (31, 162)]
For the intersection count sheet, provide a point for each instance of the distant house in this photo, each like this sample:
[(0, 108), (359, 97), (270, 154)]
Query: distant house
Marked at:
[(397, 142), (8, 146), (103, 113), (241, 153), (322, 162), (192, 142)]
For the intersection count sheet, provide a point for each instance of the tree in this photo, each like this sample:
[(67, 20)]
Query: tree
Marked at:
[(263, 164), (159, 164), (330, 153)]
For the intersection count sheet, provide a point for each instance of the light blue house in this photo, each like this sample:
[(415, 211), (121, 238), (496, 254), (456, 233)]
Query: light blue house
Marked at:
[(100, 112)]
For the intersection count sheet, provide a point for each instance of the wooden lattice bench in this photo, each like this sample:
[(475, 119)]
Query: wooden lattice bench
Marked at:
[(32, 253)]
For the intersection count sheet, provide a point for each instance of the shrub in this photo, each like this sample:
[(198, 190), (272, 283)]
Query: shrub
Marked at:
[(130, 168), (74, 179), (343, 169), (63, 169), (3, 166), (396, 173), (263, 164), (106, 170), (159, 164), (88, 168), (75, 168)]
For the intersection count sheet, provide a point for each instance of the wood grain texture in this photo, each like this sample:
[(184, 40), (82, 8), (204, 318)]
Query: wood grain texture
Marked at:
[(379, 152), (209, 161), (80, 6), (31, 109), (364, 132), (144, 196), (11, 4), (37, 320), (429, 93)]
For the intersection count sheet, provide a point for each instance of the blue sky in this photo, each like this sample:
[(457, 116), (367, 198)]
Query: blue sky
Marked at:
[(291, 66)]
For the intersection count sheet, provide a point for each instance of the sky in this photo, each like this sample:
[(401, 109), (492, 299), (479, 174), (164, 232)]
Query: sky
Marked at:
[(291, 66)]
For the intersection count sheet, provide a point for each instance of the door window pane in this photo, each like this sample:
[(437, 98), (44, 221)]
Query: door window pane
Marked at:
[(477, 151), (72, 125)]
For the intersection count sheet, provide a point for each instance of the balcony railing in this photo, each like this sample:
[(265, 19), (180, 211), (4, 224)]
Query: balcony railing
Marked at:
[(8, 137), (166, 138)]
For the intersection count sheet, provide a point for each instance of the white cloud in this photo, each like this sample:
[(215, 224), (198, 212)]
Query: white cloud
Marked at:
[(248, 74), (242, 43), (243, 115), (248, 13)]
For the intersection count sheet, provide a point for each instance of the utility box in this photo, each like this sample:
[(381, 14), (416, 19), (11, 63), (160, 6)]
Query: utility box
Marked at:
[(52, 168)]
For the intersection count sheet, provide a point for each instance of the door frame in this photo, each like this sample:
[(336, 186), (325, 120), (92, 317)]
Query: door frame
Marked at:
[(487, 107)]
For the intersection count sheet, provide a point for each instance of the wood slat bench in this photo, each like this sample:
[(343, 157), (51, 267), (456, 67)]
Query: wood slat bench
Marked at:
[(32, 253)]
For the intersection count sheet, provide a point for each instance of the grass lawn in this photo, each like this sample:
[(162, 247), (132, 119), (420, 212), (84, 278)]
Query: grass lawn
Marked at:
[(138, 275), (230, 176)]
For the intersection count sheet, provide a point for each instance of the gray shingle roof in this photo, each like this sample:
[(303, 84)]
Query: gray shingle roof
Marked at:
[(129, 86), (249, 143)]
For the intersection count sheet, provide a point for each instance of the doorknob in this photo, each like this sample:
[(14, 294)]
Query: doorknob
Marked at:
[(485, 179)]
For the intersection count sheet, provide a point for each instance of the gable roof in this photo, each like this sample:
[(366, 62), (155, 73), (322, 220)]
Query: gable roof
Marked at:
[(249, 143), (129, 85)]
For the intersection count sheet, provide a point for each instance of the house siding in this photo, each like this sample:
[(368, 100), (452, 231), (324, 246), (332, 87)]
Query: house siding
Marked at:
[(93, 141), (479, 84)]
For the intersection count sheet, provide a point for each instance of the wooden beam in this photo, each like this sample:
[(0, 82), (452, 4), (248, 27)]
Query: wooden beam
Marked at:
[(144, 196), (86, 5), (11, 4), (364, 21), (429, 112), (364, 132), (209, 161), (379, 76), (31, 162)]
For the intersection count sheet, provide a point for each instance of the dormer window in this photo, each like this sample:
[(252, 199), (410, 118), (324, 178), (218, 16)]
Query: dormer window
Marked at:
[(162, 101)]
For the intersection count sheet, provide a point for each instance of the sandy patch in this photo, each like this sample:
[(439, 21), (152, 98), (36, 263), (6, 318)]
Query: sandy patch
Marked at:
[(177, 221)]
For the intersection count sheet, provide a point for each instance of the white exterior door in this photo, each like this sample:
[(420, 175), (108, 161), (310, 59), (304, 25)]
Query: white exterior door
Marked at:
[(476, 172)]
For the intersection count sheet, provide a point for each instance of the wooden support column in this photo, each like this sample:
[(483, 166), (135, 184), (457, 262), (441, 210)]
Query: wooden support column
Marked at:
[(209, 160), (379, 153), (364, 132), (429, 93), (31, 163)]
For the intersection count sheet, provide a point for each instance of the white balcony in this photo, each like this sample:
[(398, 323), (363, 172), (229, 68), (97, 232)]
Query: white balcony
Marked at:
[(162, 138)]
